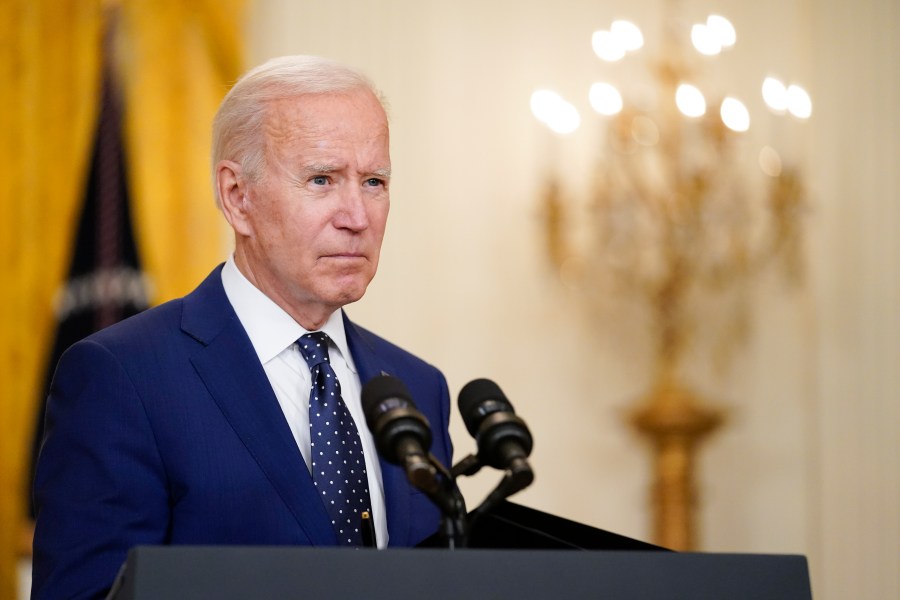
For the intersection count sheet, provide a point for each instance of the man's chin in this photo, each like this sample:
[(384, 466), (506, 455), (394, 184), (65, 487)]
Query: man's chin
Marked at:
[(348, 292)]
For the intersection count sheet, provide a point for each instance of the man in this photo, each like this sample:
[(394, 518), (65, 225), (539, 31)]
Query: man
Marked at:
[(188, 423)]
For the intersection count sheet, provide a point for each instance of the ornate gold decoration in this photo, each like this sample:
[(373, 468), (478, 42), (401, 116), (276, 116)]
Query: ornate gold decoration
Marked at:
[(674, 222)]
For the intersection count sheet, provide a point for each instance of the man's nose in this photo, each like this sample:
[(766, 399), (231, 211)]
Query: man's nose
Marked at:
[(352, 213)]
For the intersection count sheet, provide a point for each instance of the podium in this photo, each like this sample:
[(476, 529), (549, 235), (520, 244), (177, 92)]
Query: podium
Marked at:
[(510, 525), (544, 557)]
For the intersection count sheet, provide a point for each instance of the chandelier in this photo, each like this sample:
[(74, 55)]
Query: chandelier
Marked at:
[(676, 220)]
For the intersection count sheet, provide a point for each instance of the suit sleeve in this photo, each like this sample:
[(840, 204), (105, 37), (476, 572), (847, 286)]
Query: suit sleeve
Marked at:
[(100, 486)]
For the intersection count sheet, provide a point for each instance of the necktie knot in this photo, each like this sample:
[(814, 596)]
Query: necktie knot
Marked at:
[(314, 348)]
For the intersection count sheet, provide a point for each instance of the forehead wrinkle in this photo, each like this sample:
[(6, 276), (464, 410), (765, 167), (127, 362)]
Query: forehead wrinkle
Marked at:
[(282, 121), (280, 133), (287, 123)]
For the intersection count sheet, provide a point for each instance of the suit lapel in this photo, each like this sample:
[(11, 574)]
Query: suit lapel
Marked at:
[(231, 371), (396, 487)]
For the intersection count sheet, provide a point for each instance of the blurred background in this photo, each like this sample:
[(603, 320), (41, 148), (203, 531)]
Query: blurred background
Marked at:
[(691, 303)]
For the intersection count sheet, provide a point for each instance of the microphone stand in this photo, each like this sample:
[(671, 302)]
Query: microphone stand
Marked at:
[(516, 478), (442, 490), (445, 494)]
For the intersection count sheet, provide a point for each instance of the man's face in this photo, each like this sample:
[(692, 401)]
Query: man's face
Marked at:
[(315, 218)]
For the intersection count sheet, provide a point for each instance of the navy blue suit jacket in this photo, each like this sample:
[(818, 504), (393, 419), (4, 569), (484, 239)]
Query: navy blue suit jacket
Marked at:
[(163, 429)]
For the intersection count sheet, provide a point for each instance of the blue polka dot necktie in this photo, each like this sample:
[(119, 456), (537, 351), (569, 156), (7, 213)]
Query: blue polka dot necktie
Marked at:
[(338, 465)]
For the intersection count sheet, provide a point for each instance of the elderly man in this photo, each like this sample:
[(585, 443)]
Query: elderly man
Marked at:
[(210, 419)]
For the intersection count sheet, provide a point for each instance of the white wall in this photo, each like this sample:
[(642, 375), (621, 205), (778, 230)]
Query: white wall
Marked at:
[(857, 255), (808, 461)]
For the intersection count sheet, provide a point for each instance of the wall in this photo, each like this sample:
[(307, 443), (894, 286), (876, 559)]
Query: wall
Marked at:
[(857, 513)]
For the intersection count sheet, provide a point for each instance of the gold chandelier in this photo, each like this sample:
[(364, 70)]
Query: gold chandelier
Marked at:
[(675, 220)]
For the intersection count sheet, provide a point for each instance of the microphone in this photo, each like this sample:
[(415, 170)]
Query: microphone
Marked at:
[(504, 441), (402, 434)]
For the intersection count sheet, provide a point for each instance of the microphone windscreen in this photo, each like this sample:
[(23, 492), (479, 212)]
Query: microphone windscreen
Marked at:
[(381, 388), (478, 399), (393, 419)]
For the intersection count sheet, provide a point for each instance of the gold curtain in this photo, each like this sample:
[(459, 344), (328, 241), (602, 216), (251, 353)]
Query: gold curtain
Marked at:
[(48, 87), (176, 60)]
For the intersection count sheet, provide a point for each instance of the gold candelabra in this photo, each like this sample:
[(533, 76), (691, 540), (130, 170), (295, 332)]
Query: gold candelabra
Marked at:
[(673, 223)]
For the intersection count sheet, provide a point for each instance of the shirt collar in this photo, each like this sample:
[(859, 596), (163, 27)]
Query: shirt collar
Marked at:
[(271, 330)]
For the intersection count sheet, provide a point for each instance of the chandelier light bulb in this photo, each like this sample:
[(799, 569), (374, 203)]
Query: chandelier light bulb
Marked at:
[(734, 114), (554, 111), (542, 102), (704, 40), (690, 101), (770, 161), (722, 30), (775, 94), (628, 35), (607, 46), (798, 102), (566, 119), (605, 99)]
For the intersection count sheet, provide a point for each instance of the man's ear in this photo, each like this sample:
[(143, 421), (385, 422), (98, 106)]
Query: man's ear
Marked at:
[(232, 187)]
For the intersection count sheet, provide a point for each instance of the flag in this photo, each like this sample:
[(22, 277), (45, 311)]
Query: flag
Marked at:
[(105, 283)]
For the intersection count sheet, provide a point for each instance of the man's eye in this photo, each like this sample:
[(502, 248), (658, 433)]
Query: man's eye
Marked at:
[(320, 180), (374, 182)]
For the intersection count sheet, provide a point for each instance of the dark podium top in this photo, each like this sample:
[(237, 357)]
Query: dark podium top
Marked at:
[(515, 553), (239, 573)]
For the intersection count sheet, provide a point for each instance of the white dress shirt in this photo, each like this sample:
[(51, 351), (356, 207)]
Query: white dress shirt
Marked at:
[(274, 334)]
